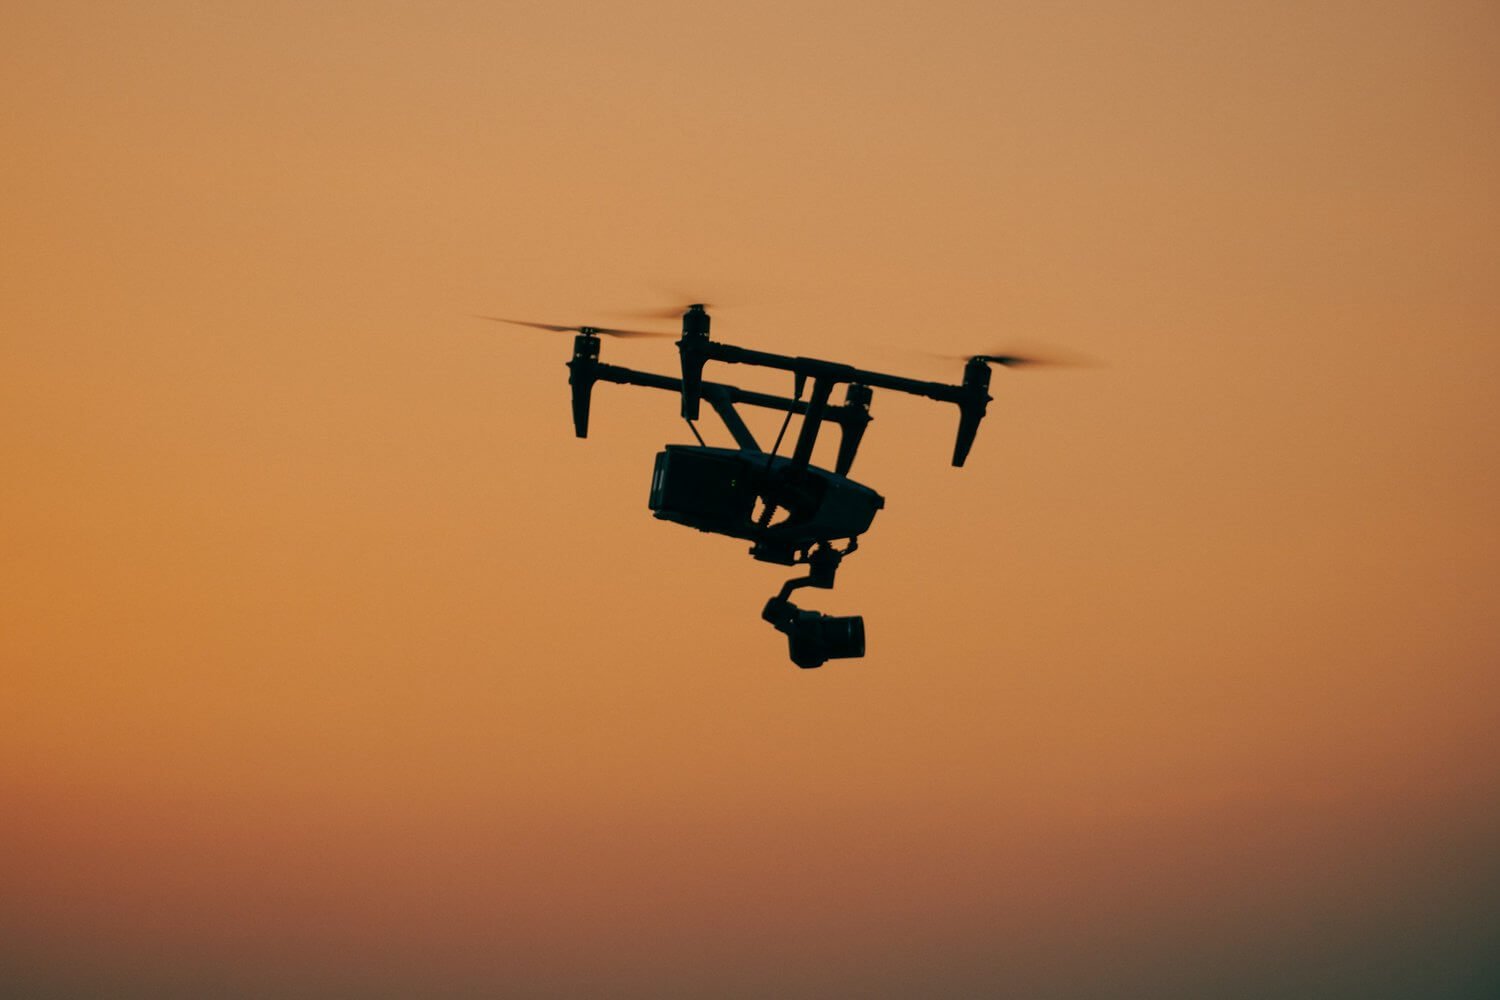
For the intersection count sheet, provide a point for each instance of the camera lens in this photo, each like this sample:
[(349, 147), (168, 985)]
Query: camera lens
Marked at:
[(814, 638), (842, 637)]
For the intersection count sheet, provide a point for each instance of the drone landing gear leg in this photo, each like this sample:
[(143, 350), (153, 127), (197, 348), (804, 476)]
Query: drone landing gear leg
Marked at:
[(814, 638)]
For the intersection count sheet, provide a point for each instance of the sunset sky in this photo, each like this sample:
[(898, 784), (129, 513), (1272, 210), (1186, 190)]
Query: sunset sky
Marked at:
[(333, 665)]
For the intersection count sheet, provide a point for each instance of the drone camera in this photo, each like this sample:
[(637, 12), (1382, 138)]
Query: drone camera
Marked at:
[(815, 638)]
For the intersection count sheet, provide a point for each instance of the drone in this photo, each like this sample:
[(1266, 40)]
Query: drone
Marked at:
[(792, 512)]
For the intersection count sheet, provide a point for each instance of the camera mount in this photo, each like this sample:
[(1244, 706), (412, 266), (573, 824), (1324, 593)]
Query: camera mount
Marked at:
[(814, 638)]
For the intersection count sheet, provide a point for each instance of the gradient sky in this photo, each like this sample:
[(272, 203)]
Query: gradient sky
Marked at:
[(334, 666)]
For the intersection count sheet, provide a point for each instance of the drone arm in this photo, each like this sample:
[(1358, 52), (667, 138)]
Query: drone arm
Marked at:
[(971, 395), (808, 436), (845, 414), (852, 428), (582, 373), (971, 407), (814, 368)]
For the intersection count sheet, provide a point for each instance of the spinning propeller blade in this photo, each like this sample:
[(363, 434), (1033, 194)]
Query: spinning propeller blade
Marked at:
[(668, 313), (1007, 360), (592, 330), (1017, 360)]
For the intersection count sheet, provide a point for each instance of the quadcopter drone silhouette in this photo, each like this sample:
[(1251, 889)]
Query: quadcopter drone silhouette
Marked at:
[(791, 511)]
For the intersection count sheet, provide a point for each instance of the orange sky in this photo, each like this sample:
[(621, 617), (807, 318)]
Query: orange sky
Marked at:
[(333, 665)]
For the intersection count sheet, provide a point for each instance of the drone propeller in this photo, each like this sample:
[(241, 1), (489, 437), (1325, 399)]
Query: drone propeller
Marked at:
[(1012, 360), (670, 313), (1008, 360), (590, 330)]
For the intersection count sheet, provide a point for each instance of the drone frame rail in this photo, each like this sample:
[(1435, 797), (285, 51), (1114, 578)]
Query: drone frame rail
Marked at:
[(852, 416), (971, 395)]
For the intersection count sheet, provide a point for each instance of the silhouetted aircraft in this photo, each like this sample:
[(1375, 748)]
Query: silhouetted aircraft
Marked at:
[(792, 512)]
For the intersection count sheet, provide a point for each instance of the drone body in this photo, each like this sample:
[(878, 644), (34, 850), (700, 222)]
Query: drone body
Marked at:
[(792, 512)]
